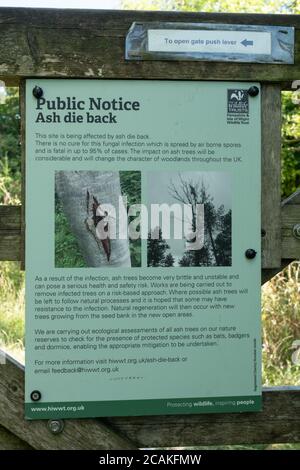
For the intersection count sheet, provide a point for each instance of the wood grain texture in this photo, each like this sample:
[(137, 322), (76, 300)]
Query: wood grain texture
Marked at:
[(290, 215), (82, 434), (9, 441), (10, 244), (10, 218), (292, 199), (90, 43), (10, 235), (278, 422), (271, 197), (267, 274)]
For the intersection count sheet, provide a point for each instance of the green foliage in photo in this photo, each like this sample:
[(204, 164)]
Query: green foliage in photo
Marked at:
[(67, 251)]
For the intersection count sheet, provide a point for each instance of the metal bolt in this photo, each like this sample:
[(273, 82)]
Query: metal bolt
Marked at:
[(263, 232), (37, 92), (35, 395), (296, 231), (253, 91), (250, 253), (56, 426)]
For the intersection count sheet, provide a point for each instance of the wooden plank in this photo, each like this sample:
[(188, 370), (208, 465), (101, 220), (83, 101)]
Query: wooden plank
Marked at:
[(10, 235), (274, 424), (9, 246), (82, 43), (278, 422), (267, 274), (10, 239), (271, 197), (84, 434), (10, 218), (292, 199), (290, 214), (9, 441), (290, 217)]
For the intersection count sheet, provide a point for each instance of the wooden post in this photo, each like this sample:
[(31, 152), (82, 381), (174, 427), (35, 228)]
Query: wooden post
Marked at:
[(78, 434), (9, 441), (291, 225), (271, 181), (279, 422)]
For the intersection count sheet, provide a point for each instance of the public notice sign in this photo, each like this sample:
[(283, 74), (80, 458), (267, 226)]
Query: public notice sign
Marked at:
[(142, 247)]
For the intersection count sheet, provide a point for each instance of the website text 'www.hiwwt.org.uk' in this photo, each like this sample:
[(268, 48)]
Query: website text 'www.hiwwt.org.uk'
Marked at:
[(51, 408)]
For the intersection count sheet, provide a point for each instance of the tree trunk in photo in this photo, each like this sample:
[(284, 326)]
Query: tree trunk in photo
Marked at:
[(72, 188), (213, 244)]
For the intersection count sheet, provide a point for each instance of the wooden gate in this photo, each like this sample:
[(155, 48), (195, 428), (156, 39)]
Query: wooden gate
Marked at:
[(90, 44)]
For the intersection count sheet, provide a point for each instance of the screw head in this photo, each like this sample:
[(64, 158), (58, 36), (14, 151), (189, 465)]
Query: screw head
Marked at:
[(56, 426), (296, 231), (35, 395), (253, 91), (250, 253), (37, 92), (263, 232)]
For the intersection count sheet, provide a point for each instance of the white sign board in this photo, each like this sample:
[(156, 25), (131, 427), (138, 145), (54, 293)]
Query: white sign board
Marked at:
[(239, 42), (210, 42)]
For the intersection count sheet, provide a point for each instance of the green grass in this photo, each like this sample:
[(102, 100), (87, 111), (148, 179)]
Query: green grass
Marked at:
[(12, 309), (281, 327)]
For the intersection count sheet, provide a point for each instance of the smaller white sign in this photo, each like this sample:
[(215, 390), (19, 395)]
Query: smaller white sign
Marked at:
[(212, 41)]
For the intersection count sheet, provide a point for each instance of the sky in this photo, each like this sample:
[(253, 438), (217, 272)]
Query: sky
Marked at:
[(86, 4), (218, 185)]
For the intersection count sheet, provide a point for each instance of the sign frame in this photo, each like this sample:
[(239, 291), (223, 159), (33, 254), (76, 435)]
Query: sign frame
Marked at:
[(140, 37), (231, 114)]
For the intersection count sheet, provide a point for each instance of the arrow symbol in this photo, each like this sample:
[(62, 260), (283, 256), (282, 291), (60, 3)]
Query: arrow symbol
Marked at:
[(246, 42)]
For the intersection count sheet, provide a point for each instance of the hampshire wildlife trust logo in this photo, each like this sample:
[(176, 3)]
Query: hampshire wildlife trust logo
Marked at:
[(237, 101)]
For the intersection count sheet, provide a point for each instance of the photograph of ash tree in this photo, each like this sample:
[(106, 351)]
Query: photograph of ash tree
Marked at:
[(213, 190), (75, 247)]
